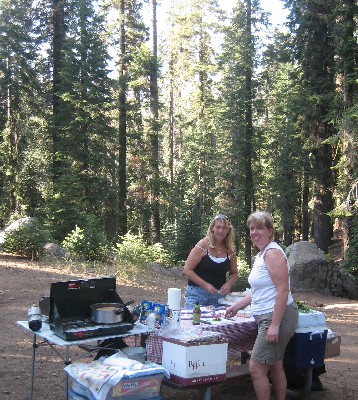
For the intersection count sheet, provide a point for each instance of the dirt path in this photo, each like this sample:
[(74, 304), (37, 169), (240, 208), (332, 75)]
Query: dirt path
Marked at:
[(23, 282)]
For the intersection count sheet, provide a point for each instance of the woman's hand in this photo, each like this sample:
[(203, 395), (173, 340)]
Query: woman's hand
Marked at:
[(210, 288), (272, 333), (241, 304), (232, 311), (225, 289)]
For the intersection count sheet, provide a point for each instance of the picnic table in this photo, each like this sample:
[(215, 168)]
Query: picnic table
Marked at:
[(240, 331)]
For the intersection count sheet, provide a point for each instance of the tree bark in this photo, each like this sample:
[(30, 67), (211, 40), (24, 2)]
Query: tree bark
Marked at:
[(305, 226), (58, 20), (122, 128), (249, 184), (155, 186)]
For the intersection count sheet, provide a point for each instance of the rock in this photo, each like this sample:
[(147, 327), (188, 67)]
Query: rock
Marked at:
[(173, 271), (310, 270), (302, 252), (54, 250), (13, 226)]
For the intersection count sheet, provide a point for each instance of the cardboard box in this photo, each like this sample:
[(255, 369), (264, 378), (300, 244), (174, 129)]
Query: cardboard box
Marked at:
[(195, 363), (333, 346), (139, 388)]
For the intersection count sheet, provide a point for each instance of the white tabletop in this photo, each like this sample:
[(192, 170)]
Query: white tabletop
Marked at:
[(47, 334)]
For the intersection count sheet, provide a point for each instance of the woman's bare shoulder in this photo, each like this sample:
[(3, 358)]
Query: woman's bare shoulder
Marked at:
[(202, 244)]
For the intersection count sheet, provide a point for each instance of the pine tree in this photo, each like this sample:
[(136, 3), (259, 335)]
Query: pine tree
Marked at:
[(311, 23), (281, 149), (20, 110), (82, 184), (238, 63)]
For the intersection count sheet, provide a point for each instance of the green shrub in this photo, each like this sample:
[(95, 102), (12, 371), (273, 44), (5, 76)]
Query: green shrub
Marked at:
[(27, 240), (243, 273), (88, 243), (133, 250), (350, 262)]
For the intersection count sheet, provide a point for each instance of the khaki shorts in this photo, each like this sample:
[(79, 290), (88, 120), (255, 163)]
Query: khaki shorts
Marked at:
[(269, 353)]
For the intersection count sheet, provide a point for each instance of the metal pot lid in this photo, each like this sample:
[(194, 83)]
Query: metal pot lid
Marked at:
[(110, 306)]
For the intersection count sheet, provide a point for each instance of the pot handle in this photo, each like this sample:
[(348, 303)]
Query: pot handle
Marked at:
[(121, 306)]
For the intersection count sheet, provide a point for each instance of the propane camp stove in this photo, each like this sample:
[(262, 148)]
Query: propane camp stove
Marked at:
[(70, 309)]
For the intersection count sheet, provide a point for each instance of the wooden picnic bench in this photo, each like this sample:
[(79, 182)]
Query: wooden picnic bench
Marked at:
[(237, 372), (232, 373)]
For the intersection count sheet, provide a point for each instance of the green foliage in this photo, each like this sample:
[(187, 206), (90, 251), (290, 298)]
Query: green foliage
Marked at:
[(302, 307), (28, 240), (88, 243), (243, 269), (232, 136), (351, 260), (133, 250), (243, 274)]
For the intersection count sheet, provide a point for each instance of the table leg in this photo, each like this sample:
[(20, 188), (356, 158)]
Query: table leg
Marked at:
[(244, 357), (206, 391), (34, 346), (301, 393), (67, 362)]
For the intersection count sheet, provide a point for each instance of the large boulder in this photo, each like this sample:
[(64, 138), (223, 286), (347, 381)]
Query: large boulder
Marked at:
[(14, 226), (53, 250), (310, 270)]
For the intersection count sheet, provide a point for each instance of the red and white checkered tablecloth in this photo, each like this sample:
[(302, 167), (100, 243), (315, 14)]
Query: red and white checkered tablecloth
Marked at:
[(240, 332)]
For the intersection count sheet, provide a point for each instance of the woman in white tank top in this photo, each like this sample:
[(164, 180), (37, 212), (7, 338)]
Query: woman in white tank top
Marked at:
[(272, 306)]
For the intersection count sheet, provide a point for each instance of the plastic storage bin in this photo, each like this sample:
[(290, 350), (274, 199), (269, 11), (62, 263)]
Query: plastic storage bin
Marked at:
[(74, 396), (139, 388), (135, 353)]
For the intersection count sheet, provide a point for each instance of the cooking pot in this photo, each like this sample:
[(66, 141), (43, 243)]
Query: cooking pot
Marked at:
[(108, 313)]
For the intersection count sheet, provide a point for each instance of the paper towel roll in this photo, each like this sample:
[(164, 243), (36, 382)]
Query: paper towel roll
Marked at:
[(174, 298)]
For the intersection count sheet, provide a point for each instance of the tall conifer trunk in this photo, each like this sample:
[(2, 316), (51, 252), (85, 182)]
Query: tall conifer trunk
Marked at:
[(154, 184), (122, 129), (305, 227), (58, 20), (249, 184), (314, 22), (348, 76), (12, 138)]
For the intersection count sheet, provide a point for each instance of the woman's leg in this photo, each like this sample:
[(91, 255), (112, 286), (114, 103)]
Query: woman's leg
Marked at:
[(260, 379), (279, 381)]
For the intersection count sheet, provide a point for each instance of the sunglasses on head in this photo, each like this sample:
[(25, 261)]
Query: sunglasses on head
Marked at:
[(221, 216)]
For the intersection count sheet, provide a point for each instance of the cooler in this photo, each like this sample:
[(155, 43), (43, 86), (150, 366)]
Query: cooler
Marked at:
[(307, 347)]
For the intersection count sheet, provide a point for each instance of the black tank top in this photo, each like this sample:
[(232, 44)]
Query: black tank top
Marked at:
[(211, 271)]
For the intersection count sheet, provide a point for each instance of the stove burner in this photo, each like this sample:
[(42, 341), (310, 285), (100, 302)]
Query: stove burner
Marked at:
[(75, 324)]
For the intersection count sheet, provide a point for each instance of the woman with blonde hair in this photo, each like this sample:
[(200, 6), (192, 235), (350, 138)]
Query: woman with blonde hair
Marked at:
[(209, 263), (272, 306)]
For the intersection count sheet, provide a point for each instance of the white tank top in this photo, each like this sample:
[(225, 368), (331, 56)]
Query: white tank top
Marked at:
[(263, 290)]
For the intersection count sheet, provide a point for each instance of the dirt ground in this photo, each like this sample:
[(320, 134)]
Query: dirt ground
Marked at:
[(23, 282)]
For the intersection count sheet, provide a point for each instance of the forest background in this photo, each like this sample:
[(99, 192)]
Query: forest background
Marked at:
[(111, 133)]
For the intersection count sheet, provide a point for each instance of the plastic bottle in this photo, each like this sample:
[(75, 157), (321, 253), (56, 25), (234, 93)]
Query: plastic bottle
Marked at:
[(151, 321), (196, 314), (34, 318)]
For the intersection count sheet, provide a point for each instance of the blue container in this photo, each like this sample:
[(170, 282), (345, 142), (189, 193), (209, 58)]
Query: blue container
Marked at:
[(75, 396), (71, 395), (306, 350)]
